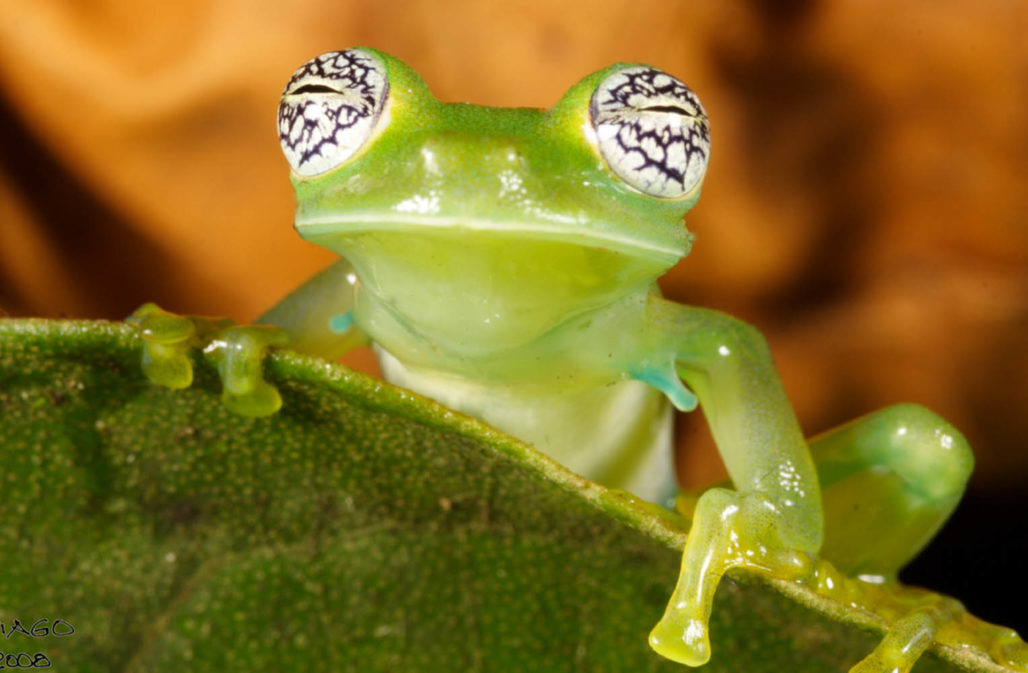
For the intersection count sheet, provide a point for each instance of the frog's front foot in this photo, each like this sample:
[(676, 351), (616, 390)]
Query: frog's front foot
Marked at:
[(236, 350), (681, 639), (729, 530)]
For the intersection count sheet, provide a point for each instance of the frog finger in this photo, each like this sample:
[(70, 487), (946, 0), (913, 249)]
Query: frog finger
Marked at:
[(167, 339), (238, 352)]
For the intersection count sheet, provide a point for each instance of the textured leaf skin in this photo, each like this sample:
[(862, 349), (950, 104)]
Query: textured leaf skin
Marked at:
[(362, 528)]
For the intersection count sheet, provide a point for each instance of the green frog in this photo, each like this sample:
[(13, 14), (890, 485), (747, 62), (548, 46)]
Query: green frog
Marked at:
[(503, 262)]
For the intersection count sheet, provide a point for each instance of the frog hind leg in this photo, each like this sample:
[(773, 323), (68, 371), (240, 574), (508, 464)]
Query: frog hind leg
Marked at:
[(907, 639), (917, 618), (889, 480)]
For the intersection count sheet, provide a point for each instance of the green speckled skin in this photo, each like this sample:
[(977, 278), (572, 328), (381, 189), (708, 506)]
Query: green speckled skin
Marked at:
[(501, 267)]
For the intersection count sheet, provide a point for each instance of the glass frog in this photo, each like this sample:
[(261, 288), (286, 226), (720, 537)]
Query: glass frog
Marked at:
[(503, 262)]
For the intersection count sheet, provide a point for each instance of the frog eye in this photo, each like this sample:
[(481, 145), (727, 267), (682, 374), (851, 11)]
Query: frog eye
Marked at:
[(651, 130), (330, 108)]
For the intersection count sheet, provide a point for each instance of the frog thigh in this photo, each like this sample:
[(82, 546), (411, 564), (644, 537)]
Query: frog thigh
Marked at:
[(889, 481)]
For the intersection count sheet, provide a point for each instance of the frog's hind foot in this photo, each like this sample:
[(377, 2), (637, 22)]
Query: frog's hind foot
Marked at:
[(236, 350), (903, 645), (917, 619), (920, 618)]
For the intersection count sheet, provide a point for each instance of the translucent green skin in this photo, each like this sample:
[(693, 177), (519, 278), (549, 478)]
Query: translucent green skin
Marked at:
[(501, 267), (500, 262)]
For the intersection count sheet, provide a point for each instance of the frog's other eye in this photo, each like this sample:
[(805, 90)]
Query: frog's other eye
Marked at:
[(651, 130), (330, 108)]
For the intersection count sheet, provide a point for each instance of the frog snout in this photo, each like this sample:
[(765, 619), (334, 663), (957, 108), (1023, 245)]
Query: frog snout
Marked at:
[(451, 154)]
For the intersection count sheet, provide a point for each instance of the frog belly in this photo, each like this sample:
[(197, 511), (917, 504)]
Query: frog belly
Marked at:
[(618, 435)]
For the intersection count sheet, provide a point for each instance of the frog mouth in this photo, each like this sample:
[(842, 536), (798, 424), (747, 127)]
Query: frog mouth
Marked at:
[(569, 230)]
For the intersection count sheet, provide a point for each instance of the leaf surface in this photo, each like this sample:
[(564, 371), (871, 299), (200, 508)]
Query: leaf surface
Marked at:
[(362, 528)]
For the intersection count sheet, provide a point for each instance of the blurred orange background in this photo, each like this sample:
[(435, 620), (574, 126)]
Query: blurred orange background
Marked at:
[(865, 205)]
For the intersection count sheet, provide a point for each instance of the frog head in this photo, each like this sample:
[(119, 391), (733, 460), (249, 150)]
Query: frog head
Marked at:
[(518, 217)]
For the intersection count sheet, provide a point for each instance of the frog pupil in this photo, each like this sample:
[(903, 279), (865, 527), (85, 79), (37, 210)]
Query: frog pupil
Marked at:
[(665, 108), (313, 88)]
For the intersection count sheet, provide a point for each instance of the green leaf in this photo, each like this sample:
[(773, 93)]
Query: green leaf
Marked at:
[(362, 528)]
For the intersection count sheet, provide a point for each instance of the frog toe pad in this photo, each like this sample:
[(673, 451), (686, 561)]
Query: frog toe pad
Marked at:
[(683, 641), (238, 352)]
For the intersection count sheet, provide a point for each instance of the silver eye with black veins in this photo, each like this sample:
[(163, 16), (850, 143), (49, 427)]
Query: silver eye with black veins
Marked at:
[(330, 108), (652, 131)]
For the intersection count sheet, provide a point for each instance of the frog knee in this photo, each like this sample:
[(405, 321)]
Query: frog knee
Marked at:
[(929, 454)]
